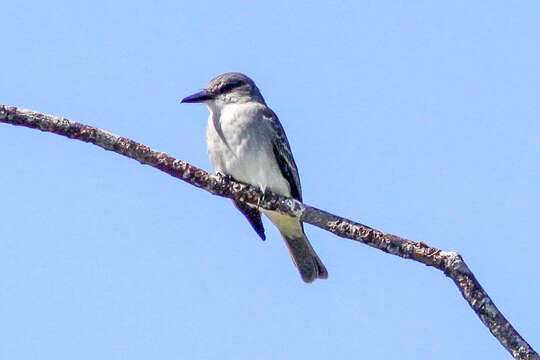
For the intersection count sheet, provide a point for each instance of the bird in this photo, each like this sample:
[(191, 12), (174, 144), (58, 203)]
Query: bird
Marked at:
[(246, 142)]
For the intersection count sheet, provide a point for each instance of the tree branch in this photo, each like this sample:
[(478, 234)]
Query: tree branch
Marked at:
[(449, 262)]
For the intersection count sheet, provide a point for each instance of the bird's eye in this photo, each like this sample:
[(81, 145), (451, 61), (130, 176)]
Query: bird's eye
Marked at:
[(231, 85)]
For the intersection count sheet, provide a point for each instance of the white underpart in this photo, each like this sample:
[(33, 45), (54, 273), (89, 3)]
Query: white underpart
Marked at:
[(240, 145)]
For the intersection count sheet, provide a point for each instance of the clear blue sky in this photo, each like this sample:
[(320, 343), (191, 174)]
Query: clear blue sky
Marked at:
[(418, 118)]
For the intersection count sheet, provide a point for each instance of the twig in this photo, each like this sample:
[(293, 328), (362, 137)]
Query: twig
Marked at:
[(451, 263)]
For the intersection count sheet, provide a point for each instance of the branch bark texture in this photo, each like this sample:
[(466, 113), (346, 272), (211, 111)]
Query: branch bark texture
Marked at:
[(449, 262)]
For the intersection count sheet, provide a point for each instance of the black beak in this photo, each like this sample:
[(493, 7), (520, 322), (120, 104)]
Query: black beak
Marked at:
[(198, 97)]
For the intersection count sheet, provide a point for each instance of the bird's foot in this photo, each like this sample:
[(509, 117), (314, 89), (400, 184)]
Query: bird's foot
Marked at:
[(265, 195), (225, 176)]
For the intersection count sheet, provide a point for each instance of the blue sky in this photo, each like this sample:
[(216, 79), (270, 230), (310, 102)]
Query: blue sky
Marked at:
[(417, 118)]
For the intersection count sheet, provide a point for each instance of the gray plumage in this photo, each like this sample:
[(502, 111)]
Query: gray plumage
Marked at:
[(247, 142)]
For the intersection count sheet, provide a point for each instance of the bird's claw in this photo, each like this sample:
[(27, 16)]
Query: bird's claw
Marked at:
[(263, 197), (224, 176)]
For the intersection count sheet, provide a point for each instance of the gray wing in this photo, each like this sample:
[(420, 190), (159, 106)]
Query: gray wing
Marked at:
[(253, 216), (283, 154)]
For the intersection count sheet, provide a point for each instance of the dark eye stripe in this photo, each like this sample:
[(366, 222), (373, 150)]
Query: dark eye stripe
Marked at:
[(229, 86)]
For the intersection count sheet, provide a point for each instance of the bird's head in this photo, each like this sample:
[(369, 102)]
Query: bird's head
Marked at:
[(229, 88)]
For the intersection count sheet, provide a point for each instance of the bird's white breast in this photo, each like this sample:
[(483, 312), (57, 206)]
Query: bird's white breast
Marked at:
[(240, 145)]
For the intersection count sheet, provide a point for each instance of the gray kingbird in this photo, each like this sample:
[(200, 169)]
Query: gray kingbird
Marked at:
[(247, 143)]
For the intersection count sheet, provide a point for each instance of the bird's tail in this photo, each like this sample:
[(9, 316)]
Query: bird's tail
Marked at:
[(306, 260)]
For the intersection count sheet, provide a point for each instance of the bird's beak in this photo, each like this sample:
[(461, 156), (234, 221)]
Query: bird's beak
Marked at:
[(198, 97)]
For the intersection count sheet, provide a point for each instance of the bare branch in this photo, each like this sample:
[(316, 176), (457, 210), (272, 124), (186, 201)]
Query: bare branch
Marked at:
[(451, 263)]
